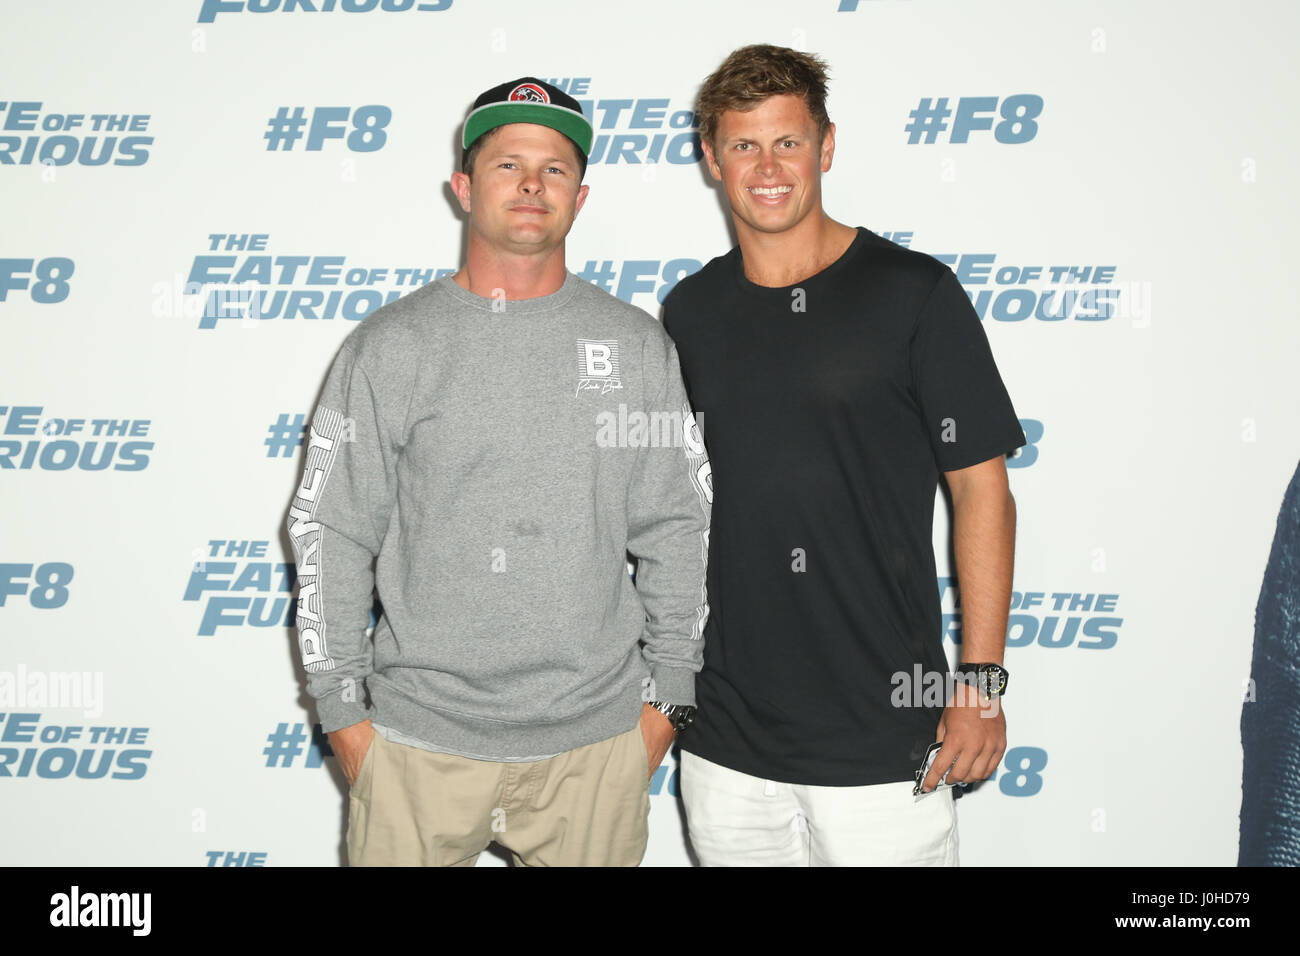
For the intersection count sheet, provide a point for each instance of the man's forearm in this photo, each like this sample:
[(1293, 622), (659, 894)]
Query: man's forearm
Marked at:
[(984, 534)]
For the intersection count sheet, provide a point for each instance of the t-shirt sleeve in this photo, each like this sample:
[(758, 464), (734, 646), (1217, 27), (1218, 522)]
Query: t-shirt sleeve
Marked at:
[(669, 315), (968, 413), (676, 331)]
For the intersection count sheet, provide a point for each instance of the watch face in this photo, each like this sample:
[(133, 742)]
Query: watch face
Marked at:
[(994, 679), (681, 717)]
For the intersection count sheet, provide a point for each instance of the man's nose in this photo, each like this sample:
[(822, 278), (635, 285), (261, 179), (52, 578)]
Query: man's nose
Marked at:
[(531, 182)]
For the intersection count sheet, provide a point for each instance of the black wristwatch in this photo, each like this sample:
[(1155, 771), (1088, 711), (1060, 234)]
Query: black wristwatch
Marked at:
[(680, 715), (991, 679)]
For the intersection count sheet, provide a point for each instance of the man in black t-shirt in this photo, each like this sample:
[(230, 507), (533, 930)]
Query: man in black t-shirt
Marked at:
[(834, 376)]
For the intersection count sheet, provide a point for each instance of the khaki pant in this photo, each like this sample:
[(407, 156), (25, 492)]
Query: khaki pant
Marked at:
[(586, 807)]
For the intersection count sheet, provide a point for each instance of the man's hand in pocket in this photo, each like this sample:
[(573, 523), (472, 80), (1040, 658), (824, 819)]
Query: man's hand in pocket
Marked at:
[(350, 745)]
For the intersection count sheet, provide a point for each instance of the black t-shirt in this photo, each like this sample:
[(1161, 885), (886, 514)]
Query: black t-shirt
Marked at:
[(828, 409)]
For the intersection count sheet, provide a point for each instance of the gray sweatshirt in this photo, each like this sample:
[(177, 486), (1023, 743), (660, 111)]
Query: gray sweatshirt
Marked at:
[(487, 465)]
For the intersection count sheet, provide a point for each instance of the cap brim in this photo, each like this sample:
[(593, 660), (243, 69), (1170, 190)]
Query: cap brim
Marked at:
[(559, 118)]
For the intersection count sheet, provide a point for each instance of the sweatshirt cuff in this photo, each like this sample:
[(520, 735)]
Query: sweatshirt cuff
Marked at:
[(671, 685), (336, 713)]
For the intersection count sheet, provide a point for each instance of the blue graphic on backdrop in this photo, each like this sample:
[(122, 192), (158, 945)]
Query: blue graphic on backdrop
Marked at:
[(51, 275), (635, 131), (1048, 619), (55, 450), (235, 857), (210, 8), (1021, 774), (44, 585), (367, 133), (1012, 123), (285, 435), (252, 590), (247, 284), (901, 238), (1052, 293), (631, 277), (288, 742), (1047, 293), (1027, 454), (87, 139), (239, 585), (54, 751)]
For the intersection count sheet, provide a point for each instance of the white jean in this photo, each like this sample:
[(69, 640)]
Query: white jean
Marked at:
[(738, 820)]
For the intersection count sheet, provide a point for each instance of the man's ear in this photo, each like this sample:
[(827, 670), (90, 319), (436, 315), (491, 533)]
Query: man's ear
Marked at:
[(582, 198), (714, 169), (460, 186), (828, 148)]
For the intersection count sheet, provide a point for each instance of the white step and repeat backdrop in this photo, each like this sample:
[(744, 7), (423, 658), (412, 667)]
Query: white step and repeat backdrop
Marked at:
[(1110, 181)]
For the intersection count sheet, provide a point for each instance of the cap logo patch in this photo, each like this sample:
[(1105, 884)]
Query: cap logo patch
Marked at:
[(528, 93)]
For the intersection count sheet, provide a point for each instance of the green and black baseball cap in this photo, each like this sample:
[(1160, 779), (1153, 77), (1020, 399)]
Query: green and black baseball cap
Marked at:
[(528, 100)]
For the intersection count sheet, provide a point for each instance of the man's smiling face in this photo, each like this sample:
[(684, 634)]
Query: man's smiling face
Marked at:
[(770, 160)]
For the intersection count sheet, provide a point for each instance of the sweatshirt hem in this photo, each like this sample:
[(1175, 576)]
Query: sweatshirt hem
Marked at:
[(504, 740)]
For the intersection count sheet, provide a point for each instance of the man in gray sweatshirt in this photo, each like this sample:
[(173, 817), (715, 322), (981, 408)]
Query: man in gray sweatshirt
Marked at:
[(487, 453)]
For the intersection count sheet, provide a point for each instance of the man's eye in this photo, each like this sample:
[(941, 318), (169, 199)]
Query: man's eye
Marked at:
[(742, 146), (507, 165), (791, 144), (555, 169)]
